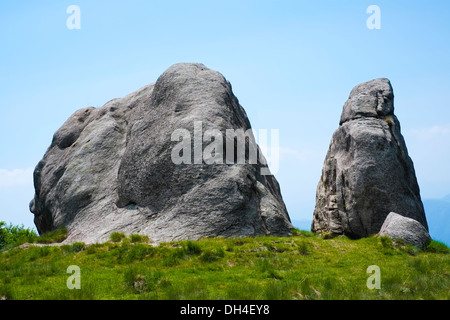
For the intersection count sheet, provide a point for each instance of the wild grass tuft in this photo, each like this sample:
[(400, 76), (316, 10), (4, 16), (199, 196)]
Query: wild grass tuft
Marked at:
[(437, 247), (117, 236), (211, 255), (55, 236), (135, 238)]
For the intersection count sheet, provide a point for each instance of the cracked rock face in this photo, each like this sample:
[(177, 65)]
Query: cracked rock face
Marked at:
[(367, 172), (110, 168)]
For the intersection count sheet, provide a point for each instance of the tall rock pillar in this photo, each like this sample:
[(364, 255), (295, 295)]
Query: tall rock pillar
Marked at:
[(367, 172)]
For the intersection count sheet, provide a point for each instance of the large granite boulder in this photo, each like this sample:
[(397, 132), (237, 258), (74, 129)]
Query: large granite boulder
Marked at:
[(367, 171), (118, 168), (409, 230)]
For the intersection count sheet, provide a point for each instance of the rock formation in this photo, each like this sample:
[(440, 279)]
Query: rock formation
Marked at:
[(411, 231), (112, 169), (367, 171)]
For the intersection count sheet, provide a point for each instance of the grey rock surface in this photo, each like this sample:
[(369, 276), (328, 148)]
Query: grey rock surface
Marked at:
[(411, 231), (367, 172), (110, 168)]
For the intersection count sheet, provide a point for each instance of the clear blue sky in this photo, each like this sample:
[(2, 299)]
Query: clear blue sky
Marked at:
[(292, 65)]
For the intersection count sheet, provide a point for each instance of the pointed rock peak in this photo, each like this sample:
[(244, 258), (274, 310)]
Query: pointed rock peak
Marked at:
[(373, 99), (367, 172)]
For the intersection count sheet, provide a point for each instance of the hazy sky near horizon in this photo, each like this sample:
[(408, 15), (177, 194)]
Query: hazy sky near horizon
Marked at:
[(292, 65)]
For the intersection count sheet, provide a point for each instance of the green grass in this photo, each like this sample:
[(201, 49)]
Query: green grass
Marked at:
[(304, 266), (54, 236), (117, 236), (11, 235)]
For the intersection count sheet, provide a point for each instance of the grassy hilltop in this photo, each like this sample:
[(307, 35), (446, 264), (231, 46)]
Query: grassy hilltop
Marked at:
[(304, 266)]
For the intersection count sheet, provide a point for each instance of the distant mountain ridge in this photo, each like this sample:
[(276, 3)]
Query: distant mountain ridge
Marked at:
[(438, 216)]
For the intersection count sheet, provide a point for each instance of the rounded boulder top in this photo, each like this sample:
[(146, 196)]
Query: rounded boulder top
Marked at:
[(373, 98)]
